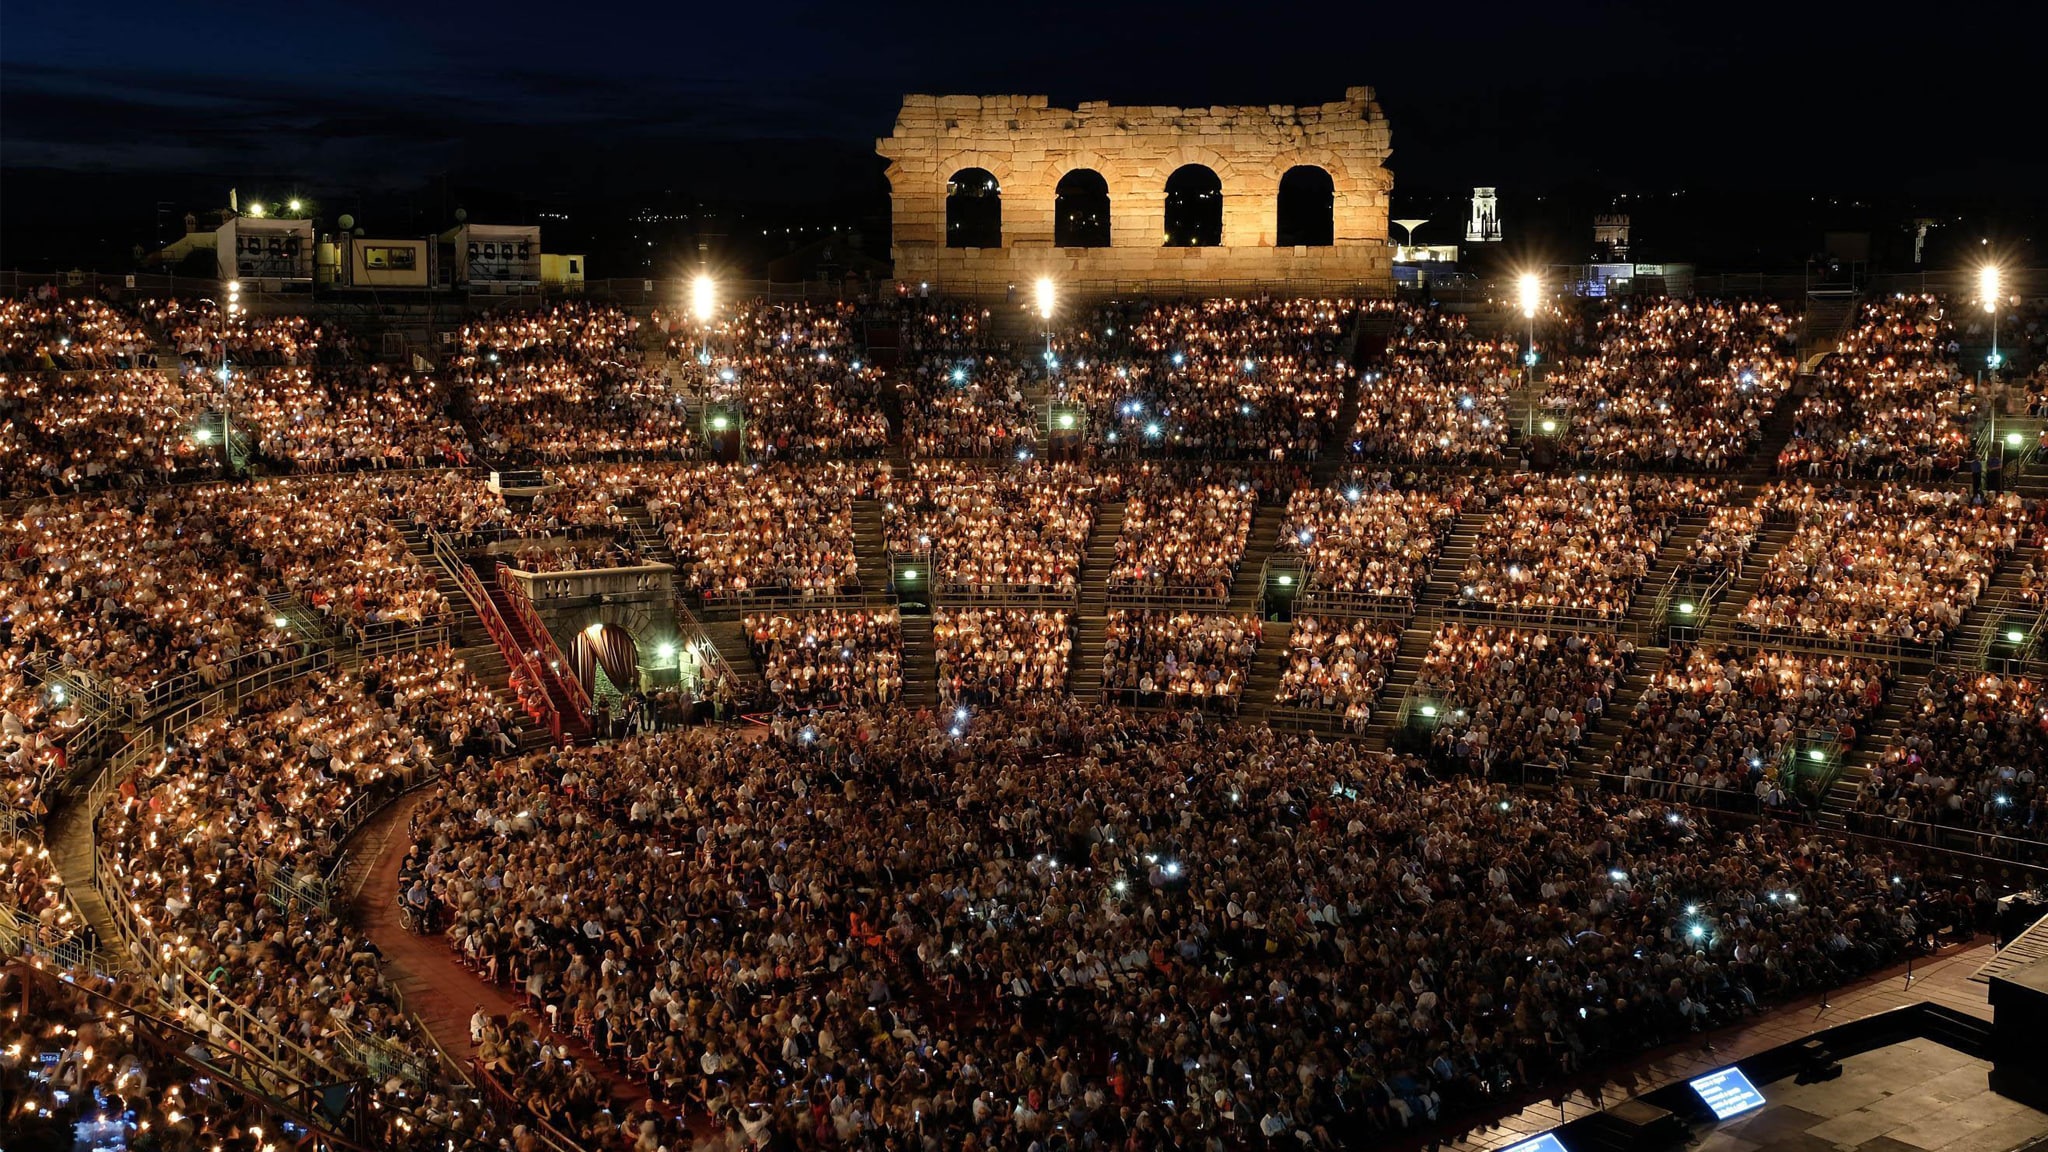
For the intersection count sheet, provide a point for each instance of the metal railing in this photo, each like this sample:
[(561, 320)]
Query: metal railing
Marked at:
[(1949, 838), (389, 637), (1315, 601), (1540, 619), (550, 652), (522, 663), (1168, 597), (848, 595), (1887, 649)]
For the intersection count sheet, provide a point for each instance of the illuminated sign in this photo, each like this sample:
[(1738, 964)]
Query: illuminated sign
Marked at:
[(1548, 1142), (1728, 1092)]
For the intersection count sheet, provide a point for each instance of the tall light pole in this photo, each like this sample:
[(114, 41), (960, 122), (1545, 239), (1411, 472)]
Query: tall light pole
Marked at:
[(1047, 297), (227, 419), (703, 302), (1531, 296), (1988, 279)]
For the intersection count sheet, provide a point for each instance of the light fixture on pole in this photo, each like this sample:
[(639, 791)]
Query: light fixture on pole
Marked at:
[(1047, 297), (703, 302), (1988, 279), (1531, 296)]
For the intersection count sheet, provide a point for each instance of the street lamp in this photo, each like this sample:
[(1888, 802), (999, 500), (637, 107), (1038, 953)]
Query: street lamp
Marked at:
[(1987, 286)]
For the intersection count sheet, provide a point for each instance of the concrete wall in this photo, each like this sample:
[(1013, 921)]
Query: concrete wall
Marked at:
[(1028, 146)]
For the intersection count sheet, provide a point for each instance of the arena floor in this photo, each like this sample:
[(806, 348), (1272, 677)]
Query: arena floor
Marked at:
[(1944, 981)]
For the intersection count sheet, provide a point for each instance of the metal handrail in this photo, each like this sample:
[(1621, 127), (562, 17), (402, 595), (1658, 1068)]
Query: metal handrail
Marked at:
[(522, 607), (1541, 619), (1189, 597), (537, 702)]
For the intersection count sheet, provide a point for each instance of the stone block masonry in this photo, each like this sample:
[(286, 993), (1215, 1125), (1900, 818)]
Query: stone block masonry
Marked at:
[(1028, 146)]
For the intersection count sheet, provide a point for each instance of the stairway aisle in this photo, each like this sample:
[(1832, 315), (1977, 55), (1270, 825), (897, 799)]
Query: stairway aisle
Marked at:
[(553, 677), (1449, 569), (1858, 762), (467, 626), (1769, 542), (1643, 604), (649, 542), (920, 662), (1988, 614), (1249, 585), (871, 551), (1401, 676), (1600, 738), (1084, 668), (1268, 663)]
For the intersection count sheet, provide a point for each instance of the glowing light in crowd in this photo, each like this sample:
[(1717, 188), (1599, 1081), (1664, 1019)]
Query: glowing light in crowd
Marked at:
[(1988, 280), (1046, 297), (1531, 293)]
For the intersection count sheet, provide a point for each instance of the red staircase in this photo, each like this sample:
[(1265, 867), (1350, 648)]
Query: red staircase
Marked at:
[(542, 659)]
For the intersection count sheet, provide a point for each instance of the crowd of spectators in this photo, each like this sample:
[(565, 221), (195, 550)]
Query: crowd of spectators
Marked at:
[(851, 657), (75, 1072), (49, 331), (1739, 719), (1337, 666), (995, 655), (793, 374), (1182, 659), (327, 419), (1250, 378), (329, 544), (996, 529), (1723, 546), (962, 390), (1183, 532), (1885, 564), (1891, 402), (219, 850), (75, 431), (1970, 757), (1576, 544), (1503, 698), (1437, 393), (754, 528), (568, 382), (1373, 536), (201, 333), (1673, 383), (873, 930), (138, 592)]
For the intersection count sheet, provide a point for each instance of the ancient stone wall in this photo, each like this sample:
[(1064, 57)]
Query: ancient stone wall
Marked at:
[(1028, 146)]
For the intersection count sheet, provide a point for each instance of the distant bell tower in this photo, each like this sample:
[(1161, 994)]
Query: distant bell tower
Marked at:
[(1610, 237), (1484, 225)]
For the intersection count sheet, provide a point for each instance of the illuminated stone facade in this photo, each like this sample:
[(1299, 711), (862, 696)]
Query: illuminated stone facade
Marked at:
[(1029, 146)]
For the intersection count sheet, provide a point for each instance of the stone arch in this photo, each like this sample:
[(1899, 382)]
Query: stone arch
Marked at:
[(974, 209), (1194, 207), (1081, 210), (1304, 209)]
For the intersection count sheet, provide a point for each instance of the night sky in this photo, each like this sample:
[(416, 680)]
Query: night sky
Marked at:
[(109, 108)]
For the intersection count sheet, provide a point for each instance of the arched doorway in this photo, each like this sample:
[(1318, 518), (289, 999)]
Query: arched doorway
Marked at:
[(974, 210), (1080, 217), (1194, 207), (606, 661), (1305, 208)]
